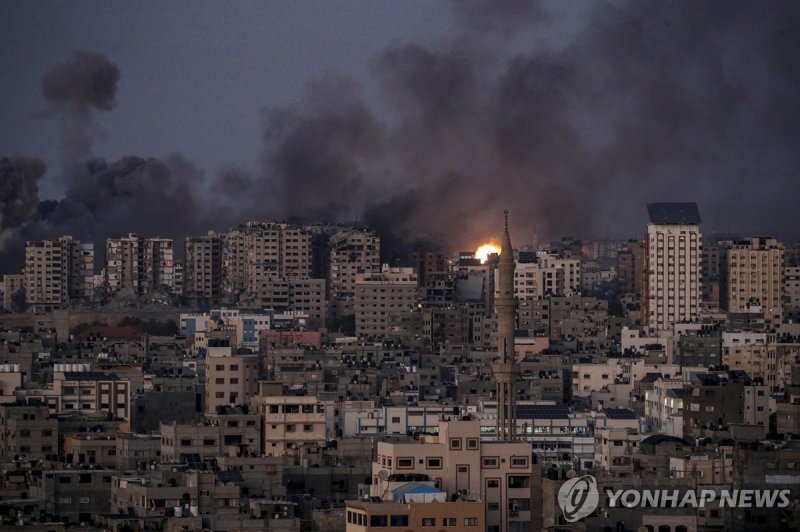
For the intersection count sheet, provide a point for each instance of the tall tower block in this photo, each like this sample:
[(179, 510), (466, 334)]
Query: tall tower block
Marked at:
[(506, 369)]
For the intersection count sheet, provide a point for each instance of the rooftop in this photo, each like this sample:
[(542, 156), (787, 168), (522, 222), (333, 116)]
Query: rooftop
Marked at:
[(619, 413), (674, 213)]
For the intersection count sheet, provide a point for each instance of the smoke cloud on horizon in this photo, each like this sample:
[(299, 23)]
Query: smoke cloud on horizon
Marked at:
[(648, 101)]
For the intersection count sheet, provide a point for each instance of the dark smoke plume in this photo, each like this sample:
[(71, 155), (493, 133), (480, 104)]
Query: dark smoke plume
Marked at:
[(573, 122), (19, 193), (649, 101), (76, 90)]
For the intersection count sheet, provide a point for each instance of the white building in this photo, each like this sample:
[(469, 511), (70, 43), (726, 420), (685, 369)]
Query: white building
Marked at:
[(673, 254)]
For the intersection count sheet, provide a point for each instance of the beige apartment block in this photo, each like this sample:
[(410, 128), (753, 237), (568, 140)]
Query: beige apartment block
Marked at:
[(456, 516), (139, 265), (458, 461), (12, 284), (27, 430), (203, 269), (257, 251), (353, 252), (231, 377), (232, 433), (57, 271), (753, 273), (382, 297), (293, 426)]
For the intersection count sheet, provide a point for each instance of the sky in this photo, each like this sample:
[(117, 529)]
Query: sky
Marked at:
[(423, 119)]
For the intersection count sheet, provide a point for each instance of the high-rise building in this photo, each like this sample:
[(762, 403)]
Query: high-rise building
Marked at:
[(381, 297), (57, 271), (506, 370), (673, 248), (202, 282), (753, 274), (629, 268), (258, 253), (139, 265), (353, 251)]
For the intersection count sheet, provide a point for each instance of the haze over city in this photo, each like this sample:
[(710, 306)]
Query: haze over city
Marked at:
[(372, 266), (415, 118)]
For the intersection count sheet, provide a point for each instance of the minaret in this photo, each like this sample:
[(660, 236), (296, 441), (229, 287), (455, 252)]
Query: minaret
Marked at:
[(506, 370)]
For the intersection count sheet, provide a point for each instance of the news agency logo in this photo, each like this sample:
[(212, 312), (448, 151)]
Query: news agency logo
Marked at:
[(578, 497)]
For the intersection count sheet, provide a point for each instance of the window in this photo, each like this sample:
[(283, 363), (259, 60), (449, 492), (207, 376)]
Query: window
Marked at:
[(493, 483), (450, 521), (398, 520), (186, 443), (518, 482), (220, 367), (234, 380), (490, 462), (209, 442), (519, 461), (396, 419), (428, 521), (220, 381), (307, 428), (493, 506), (434, 463), (405, 463), (289, 428), (455, 443), (470, 521), (379, 520), (472, 443)]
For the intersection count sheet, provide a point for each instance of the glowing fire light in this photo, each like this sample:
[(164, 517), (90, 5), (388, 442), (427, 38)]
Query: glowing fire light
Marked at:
[(485, 250)]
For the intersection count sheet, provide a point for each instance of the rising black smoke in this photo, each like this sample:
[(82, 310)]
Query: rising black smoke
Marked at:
[(649, 101), (76, 90), (573, 123), (102, 199)]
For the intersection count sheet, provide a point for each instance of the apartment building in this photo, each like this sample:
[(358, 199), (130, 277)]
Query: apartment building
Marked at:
[(12, 283), (673, 247), (231, 432), (231, 376), (293, 425), (752, 273), (392, 516), (57, 271), (663, 407), (382, 297), (203, 269), (630, 265), (137, 265), (27, 430), (715, 402), (77, 390), (458, 461), (353, 251), (258, 253)]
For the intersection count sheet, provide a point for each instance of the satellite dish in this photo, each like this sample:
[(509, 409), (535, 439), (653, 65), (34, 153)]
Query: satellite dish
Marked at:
[(383, 474), (571, 473)]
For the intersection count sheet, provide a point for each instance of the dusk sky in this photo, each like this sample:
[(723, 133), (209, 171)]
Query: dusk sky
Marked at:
[(426, 117)]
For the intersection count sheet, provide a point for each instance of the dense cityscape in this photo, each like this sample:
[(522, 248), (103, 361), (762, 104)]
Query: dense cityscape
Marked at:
[(375, 266), (280, 377)]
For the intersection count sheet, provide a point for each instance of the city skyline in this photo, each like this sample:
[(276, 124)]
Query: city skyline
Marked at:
[(432, 117)]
